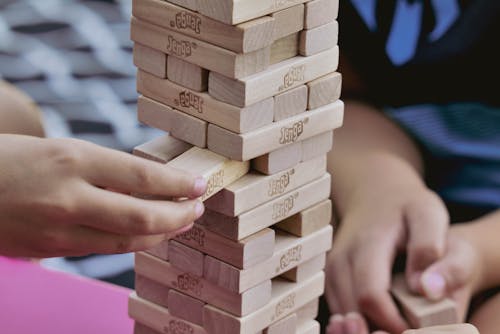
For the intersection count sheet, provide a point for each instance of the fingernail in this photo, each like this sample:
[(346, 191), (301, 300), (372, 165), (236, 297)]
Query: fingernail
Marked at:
[(199, 209), (200, 185), (434, 285)]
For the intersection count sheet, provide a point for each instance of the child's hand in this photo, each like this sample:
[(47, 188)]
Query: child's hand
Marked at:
[(54, 202)]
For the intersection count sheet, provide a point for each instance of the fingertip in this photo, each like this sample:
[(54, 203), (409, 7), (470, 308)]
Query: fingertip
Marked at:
[(199, 186), (433, 285), (336, 324), (199, 209)]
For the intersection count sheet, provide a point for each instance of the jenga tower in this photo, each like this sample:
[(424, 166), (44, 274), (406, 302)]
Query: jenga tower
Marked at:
[(249, 94)]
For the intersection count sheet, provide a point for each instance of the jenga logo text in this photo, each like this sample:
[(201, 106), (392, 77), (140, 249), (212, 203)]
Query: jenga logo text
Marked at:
[(185, 20), (190, 283), (293, 255), (215, 181), (190, 100), (279, 184), (280, 3), (294, 75), (181, 49), (178, 327), (291, 134), (195, 234), (283, 208), (287, 303)]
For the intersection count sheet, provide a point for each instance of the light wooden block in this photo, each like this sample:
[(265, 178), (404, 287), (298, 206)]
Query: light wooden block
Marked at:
[(309, 327), (285, 48), (205, 107), (160, 250), (180, 125), (316, 146), (309, 311), (186, 258), (185, 307), (151, 290), (324, 90), (186, 74), (288, 21), (255, 189), (188, 4), (287, 298), (307, 269), (143, 329), (203, 54), (162, 149), (320, 12), (316, 40), (278, 160), (286, 325), (446, 329), (290, 103), (200, 288), (309, 220), (289, 252), (276, 79), (158, 318), (218, 171), (419, 311), (243, 38), (250, 145), (150, 60)]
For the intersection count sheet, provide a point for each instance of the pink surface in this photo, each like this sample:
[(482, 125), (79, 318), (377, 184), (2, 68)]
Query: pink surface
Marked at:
[(36, 300)]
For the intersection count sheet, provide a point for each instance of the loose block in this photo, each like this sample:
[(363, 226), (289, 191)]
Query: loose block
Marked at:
[(158, 318), (180, 125), (205, 107), (421, 312), (285, 48), (307, 269), (289, 252), (217, 170), (274, 80), (287, 298), (286, 325), (151, 290), (186, 74), (185, 307), (199, 288), (250, 145), (320, 12), (162, 149), (186, 258), (150, 60), (309, 220), (309, 311), (324, 90), (290, 103), (203, 54), (243, 38), (316, 146), (309, 327), (255, 189), (160, 250), (278, 160), (288, 21), (316, 40)]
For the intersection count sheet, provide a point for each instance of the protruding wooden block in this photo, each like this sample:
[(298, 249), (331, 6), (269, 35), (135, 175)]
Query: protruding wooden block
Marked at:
[(316, 40), (151, 60), (320, 12), (186, 74), (289, 252), (278, 160), (309, 311), (217, 170), (307, 269), (250, 145), (324, 90), (151, 290), (290, 103), (419, 311), (317, 146), (270, 213), (186, 258), (203, 106), (276, 79), (287, 298), (286, 325), (309, 327), (309, 220), (255, 189), (160, 250), (285, 48), (162, 149), (243, 38), (203, 54), (288, 21), (185, 307), (180, 125)]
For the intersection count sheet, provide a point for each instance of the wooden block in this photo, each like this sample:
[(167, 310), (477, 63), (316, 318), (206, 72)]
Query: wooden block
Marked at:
[(307, 269), (203, 106), (284, 326), (180, 125), (316, 40), (189, 4), (316, 146), (309, 220), (285, 48), (324, 90), (289, 252), (290, 103), (186, 258), (320, 12), (308, 312), (250, 145), (419, 311), (158, 318), (243, 38), (270, 213), (162, 149), (287, 298), (143, 329), (255, 189), (217, 170), (186, 74), (203, 54), (241, 254), (200, 288), (185, 307), (309, 327), (446, 329), (151, 60), (278, 160), (288, 21), (151, 290), (276, 79), (160, 250)]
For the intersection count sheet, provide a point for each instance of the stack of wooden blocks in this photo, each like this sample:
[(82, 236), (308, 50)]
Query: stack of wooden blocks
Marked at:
[(249, 95)]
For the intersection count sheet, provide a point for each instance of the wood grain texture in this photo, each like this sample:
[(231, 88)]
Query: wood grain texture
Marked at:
[(185, 307), (316, 40), (185, 258), (290, 103), (286, 325), (162, 149), (186, 74), (278, 160), (309, 220), (320, 12), (285, 48), (307, 269), (317, 146), (188, 4), (324, 90), (160, 250), (143, 329), (288, 21), (309, 327), (151, 60), (151, 290), (309, 311)]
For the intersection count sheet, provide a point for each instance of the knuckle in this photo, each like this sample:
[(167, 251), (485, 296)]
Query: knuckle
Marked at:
[(429, 251), (64, 155), (123, 245), (144, 179), (368, 300), (142, 222)]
